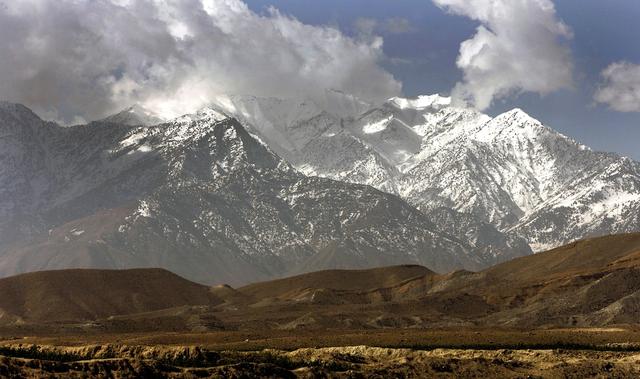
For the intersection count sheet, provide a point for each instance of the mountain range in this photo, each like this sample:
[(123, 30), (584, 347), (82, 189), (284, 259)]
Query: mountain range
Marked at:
[(250, 189), (199, 196), (509, 172)]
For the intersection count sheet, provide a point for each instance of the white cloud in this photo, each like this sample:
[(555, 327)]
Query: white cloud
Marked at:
[(620, 88), (395, 25), (517, 48), (88, 58), (366, 26)]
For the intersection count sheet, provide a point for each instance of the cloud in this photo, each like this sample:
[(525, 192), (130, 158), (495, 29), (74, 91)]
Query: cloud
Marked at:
[(620, 87), (89, 58), (366, 26), (397, 25), (517, 48)]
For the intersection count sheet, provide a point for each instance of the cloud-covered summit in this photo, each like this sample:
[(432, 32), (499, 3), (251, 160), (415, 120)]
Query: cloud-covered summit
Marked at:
[(79, 60)]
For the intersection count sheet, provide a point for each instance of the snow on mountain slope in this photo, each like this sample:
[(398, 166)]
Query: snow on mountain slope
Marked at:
[(199, 196), (373, 148), (134, 115), (421, 102), (539, 157), (532, 181), (603, 199), (387, 134), (510, 171), (202, 194), (314, 140), (521, 176)]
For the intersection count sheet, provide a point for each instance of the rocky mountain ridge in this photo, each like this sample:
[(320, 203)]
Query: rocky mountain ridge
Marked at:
[(510, 171), (199, 196), (129, 192)]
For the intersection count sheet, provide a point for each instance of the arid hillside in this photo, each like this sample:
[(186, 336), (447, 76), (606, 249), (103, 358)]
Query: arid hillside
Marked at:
[(590, 283), (83, 295)]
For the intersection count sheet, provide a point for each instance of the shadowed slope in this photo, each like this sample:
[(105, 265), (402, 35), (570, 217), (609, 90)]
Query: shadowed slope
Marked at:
[(66, 295), (341, 280)]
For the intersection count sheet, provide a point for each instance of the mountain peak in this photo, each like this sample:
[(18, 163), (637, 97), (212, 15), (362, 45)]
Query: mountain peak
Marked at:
[(421, 102), (206, 114), (226, 138), (515, 123), (17, 111), (134, 115), (517, 117)]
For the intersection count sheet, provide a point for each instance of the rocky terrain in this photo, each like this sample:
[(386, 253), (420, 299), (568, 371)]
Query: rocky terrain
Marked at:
[(209, 197), (529, 182), (199, 196), (22, 361)]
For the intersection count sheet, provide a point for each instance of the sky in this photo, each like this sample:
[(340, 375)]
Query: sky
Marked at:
[(424, 58), (573, 64)]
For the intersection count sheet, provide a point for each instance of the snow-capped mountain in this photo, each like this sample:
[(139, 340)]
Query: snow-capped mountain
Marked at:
[(512, 172), (355, 148), (134, 115), (199, 196), (208, 196)]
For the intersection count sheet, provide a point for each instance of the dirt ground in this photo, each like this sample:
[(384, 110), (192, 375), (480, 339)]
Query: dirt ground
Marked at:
[(613, 338), (401, 353), (32, 361)]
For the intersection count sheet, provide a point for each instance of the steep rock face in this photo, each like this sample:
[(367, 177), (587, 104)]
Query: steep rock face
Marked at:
[(25, 167), (202, 197), (602, 199), (488, 242), (205, 192), (385, 147), (528, 180), (316, 142), (510, 171)]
